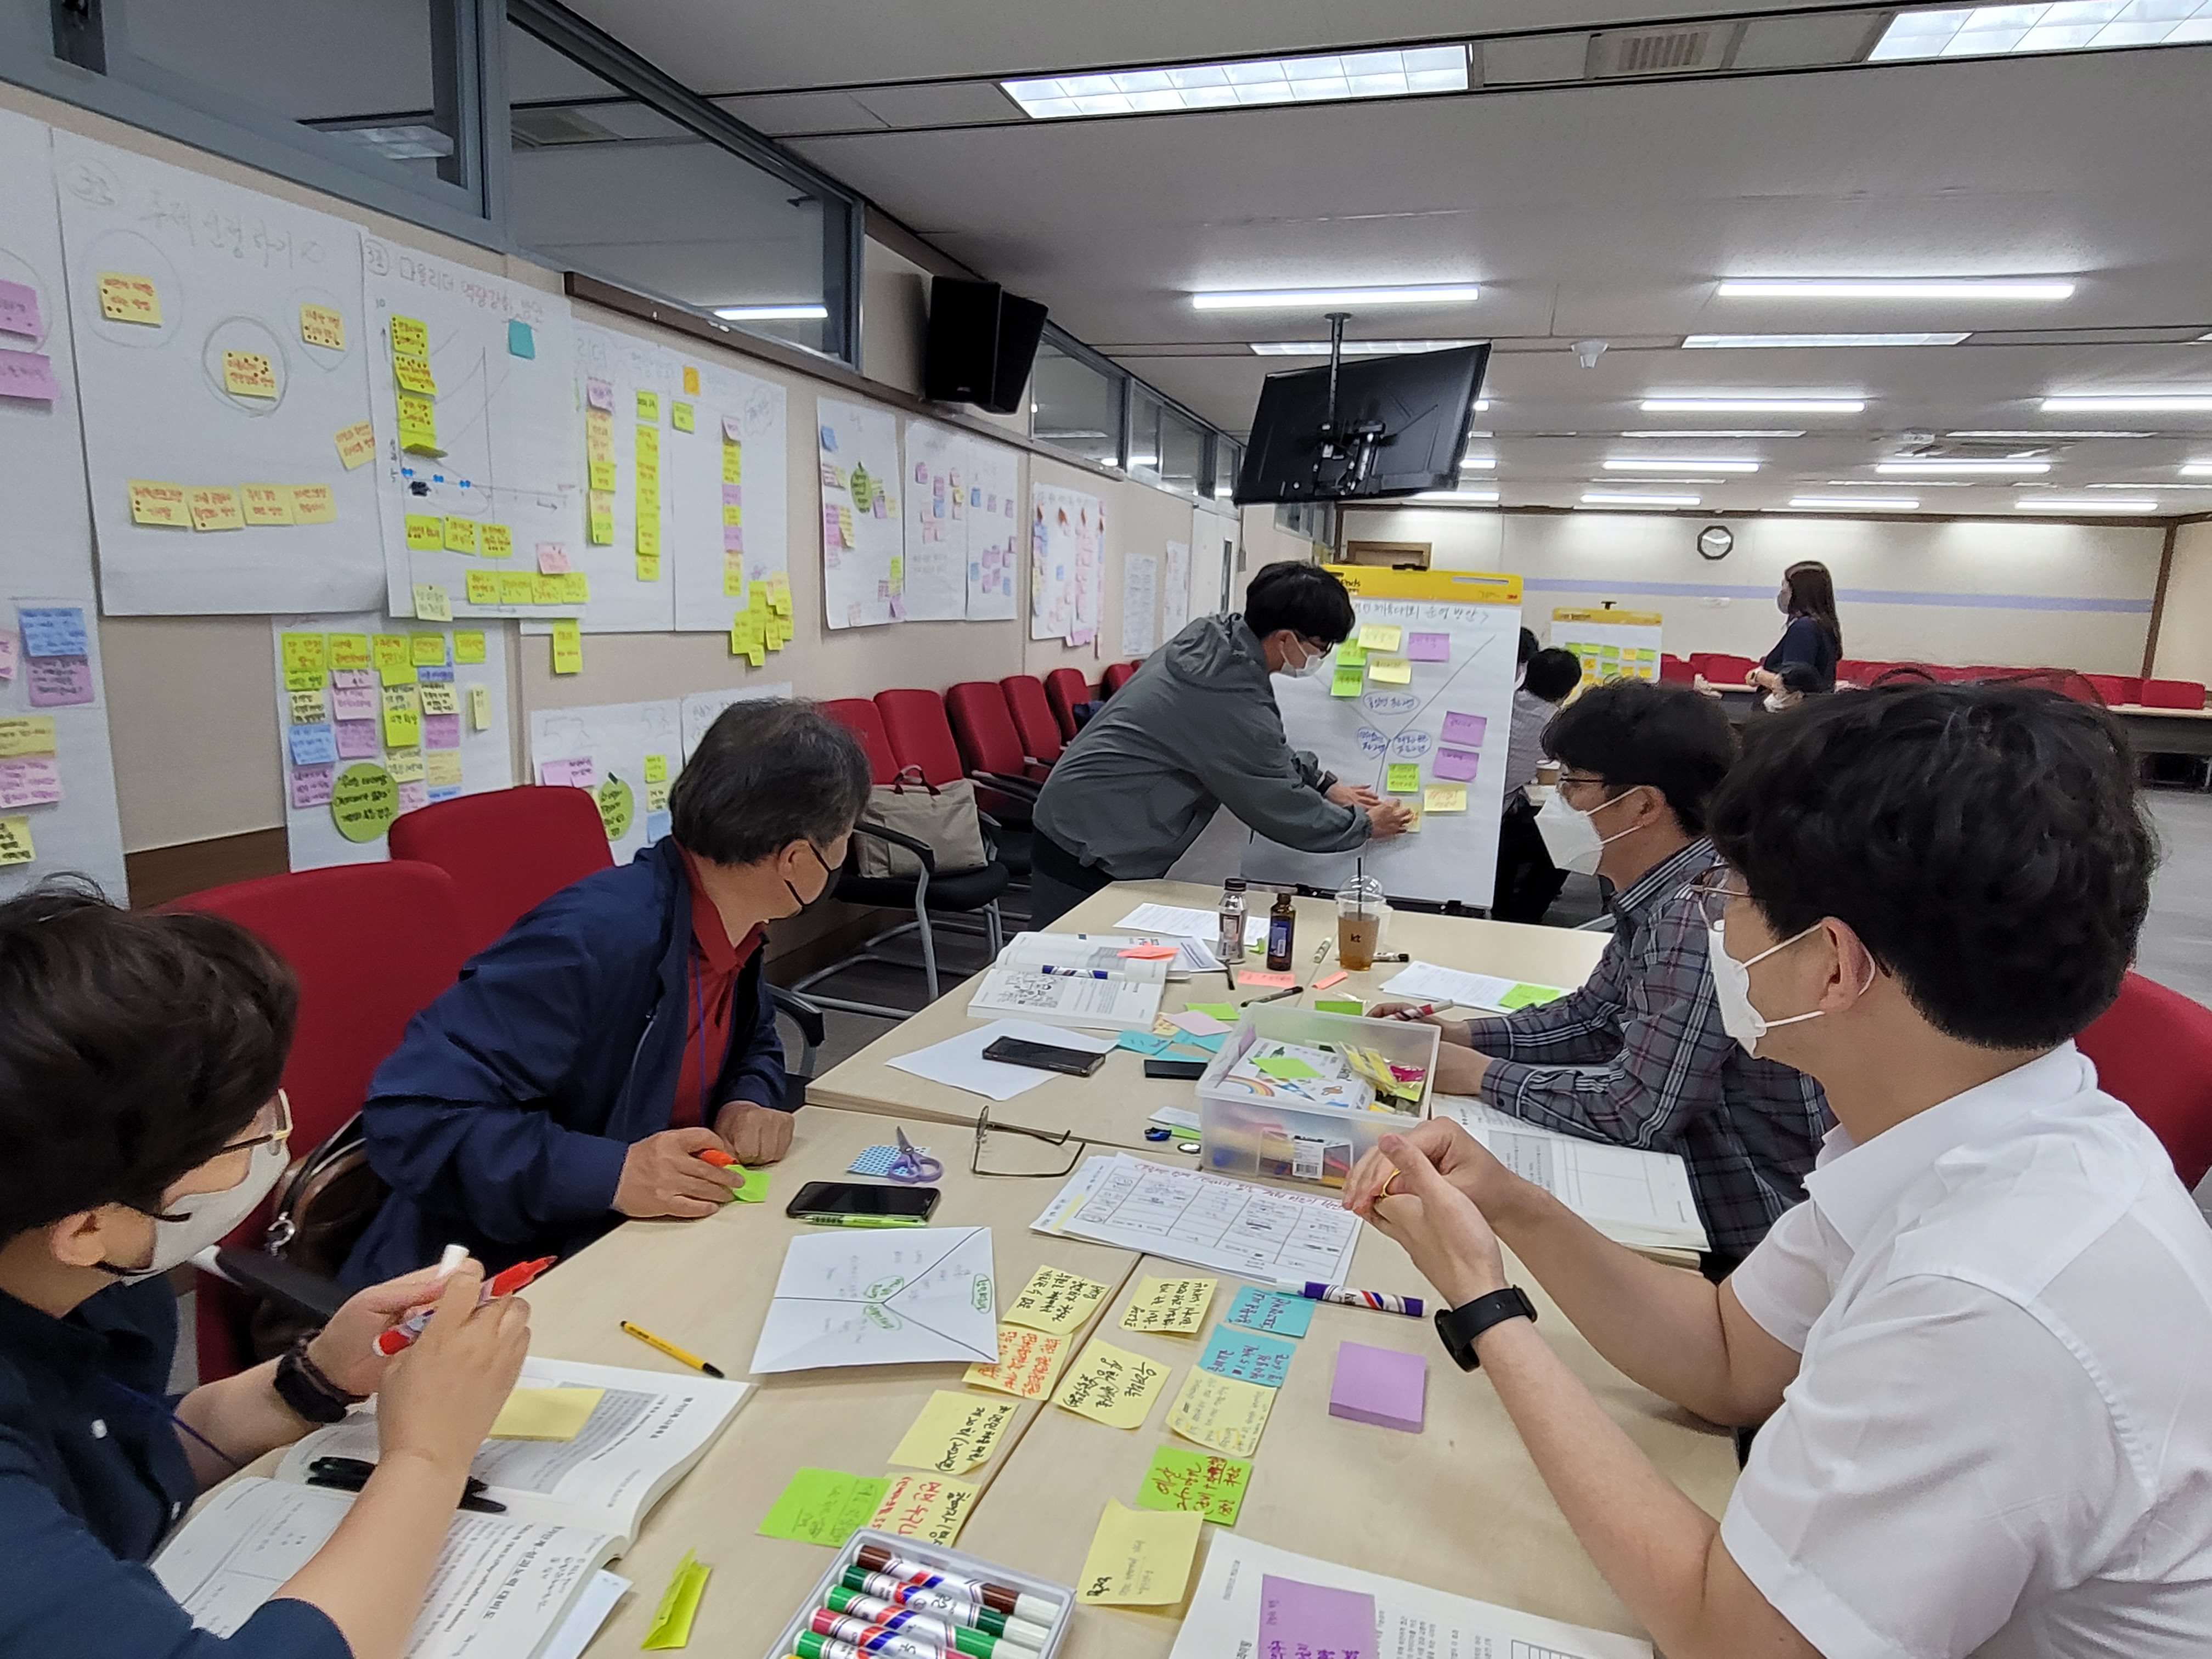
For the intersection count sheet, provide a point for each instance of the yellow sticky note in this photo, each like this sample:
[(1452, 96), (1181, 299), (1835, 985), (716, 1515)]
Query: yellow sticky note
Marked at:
[(469, 645), (681, 419), (413, 373), (249, 375), (1174, 1305), (460, 534), (516, 587), (545, 1413), (267, 504), (599, 519), (733, 575), (648, 407), (483, 587), (779, 593), (215, 507), (648, 483), (26, 734), (495, 541), (312, 503), (426, 650), (1403, 778), (1224, 1412), (403, 718), (568, 648), (656, 797), (656, 769), (425, 533), (690, 379), (410, 338), (679, 1602), (391, 650), (733, 463), (1112, 1386), (603, 475), (544, 589), (304, 651), (1055, 1299), (955, 1432), (444, 768), (319, 325), (432, 604), (309, 706), (1139, 1558), (418, 425), (1028, 1361), (1379, 637), (648, 535), (15, 845), (407, 768), (648, 445), (929, 1507), (437, 698), (574, 587), (125, 298), (156, 503), (1390, 671), (1444, 797), (480, 708), (356, 444), (349, 651), (298, 680)]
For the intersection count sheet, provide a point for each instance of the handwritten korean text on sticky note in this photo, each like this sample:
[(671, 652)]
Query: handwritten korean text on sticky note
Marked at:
[(954, 1433), (1221, 1413), (1028, 1363), (1174, 1305), (1055, 1300), (1139, 1558), (1210, 1485), (929, 1507), (1112, 1385), (823, 1506)]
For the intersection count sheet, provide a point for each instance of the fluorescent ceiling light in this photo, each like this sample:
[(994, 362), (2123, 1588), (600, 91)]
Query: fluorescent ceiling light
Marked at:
[(1391, 73), (2132, 403), (1896, 287), (1478, 462), (415, 142), (1353, 348), (2001, 31), (1917, 483), (1622, 498), (1481, 405), (1769, 342), (801, 312), (1751, 405), (1479, 497), (1679, 464), (2198, 470), (1294, 299), (1854, 503), (2049, 434), (2083, 504), (1918, 469), (1740, 432)]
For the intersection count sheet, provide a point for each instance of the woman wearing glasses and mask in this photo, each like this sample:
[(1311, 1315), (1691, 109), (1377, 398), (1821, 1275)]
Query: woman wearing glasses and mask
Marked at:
[(581, 1064), (139, 1059)]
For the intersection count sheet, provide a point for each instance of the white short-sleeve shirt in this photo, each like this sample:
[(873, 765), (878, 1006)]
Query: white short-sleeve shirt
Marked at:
[(1999, 1441)]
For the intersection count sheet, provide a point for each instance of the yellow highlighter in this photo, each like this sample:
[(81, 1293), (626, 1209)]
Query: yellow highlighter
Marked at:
[(679, 1355)]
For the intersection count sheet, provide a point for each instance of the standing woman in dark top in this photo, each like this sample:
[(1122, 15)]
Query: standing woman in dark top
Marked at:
[(1814, 636)]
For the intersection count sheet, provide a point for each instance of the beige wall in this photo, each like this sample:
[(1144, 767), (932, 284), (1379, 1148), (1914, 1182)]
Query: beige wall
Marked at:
[(2184, 631), (1975, 591)]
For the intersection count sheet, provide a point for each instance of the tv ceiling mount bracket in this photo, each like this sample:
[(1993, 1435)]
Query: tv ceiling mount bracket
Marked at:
[(1348, 448)]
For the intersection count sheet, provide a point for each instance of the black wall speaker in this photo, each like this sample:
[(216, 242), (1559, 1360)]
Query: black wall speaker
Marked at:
[(981, 343)]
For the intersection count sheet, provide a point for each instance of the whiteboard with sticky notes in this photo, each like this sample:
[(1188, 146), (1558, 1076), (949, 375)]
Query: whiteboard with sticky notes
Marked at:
[(627, 754), (1416, 705)]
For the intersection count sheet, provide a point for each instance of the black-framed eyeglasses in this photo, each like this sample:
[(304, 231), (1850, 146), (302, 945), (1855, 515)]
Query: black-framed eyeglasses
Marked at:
[(1050, 1138), (273, 1122)]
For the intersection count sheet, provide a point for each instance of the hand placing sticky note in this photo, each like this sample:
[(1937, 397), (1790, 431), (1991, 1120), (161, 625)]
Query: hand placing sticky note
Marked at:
[(1221, 1413), (679, 1605), (1249, 1356), (1379, 637), (545, 1413), (1139, 1558), (1404, 778), (1112, 1386), (1202, 1482), (823, 1506), (747, 1186), (1056, 1300), (955, 1433), (1175, 1306)]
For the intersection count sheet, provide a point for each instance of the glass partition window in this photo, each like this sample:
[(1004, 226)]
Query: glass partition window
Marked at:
[(1228, 462), (1076, 406), (1183, 452)]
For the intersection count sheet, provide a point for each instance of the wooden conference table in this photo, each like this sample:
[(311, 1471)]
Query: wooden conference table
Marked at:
[(1112, 1107)]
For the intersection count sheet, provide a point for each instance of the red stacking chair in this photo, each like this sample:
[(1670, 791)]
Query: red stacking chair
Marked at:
[(1676, 670), (1027, 702), (2116, 689), (921, 737), (371, 944), (1720, 668), (2153, 1048), (508, 850), (859, 717), (1064, 688), (2172, 693), (1116, 676), (983, 727)]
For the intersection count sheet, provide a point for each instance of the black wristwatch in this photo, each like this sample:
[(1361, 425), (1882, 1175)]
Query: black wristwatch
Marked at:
[(300, 1384), (1458, 1327)]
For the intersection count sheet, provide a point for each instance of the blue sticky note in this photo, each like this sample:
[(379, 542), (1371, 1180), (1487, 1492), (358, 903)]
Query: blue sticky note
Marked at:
[(313, 745), (1249, 1355), (830, 439), (1142, 1042), (656, 825), (520, 342), (53, 631), (1211, 1043), (434, 675), (1257, 1310)]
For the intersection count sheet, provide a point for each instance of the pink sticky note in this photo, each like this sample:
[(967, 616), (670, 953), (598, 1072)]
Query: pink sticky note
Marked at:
[(442, 731), (414, 794), (734, 538), (552, 559), (1196, 1024), (1456, 764), (19, 309), (353, 702), (1381, 1386), (353, 679), (1271, 981), (1298, 1618), (1428, 647), (7, 656), (311, 785), (1325, 980), (357, 740), (1148, 952), (36, 781), (599, 395), (59, 682), (1465, 730), (733, 430), (575, 774), (28, 375)]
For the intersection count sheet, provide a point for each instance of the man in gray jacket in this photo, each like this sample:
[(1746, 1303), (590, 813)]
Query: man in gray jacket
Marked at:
[(1196, 729)]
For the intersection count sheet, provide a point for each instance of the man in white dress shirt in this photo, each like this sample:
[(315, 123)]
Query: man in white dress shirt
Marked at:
[(1980, 1353)]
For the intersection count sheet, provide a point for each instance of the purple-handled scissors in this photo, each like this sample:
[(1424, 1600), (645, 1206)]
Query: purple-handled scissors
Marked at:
[(913, 1164)]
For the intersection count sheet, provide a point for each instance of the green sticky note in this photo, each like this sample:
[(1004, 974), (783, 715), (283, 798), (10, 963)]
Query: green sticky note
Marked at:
[(1346, 682), (1337, 1005), (679, 1604), (1352, 654), (1182, 1480), (1527, 996), (1219, 1009), (1286, 1068), (1405, 778), (753, 1188), (823, 1506)]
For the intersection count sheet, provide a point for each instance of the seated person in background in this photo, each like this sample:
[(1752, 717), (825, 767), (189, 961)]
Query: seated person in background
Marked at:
[(138, 1068), (576, 1070), (1195, 730), (1981, 1351), (1528, 880), (1638, 1054)]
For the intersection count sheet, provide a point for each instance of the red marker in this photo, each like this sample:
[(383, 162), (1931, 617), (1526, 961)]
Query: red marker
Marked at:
[(1421, 1013), (506, 1282), (718, 1158)]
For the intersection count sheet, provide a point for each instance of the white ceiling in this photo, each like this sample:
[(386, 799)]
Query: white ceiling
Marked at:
[(1589, 212)]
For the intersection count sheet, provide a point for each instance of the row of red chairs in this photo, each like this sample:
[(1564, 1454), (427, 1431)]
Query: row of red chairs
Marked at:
[(1723, 668)]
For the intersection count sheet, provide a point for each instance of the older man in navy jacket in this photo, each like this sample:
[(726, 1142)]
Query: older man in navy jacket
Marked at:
[(580, 1066)]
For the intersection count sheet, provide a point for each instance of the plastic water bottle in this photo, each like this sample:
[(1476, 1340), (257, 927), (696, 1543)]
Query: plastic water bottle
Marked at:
[(1229, 942)]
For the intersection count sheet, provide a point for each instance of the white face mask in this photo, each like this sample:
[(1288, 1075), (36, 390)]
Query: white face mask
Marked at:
[(1305, 669), (1732, 988), (1774, 703), (1570, 836), (208, 1218)]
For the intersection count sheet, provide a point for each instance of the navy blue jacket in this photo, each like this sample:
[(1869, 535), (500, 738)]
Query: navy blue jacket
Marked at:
[(501, 1119)]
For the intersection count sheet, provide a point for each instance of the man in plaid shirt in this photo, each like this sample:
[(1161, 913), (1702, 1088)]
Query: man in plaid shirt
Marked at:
[(1636, 1055)]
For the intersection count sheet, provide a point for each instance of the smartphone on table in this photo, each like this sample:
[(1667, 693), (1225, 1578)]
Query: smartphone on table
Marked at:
[(851, 1198), (1044, 1056)]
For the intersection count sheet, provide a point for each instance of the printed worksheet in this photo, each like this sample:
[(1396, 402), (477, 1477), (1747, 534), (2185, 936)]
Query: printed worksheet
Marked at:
[(1634, 1197), (1208, 1221)]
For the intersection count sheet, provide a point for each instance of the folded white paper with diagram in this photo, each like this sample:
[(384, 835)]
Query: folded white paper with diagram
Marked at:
[(899, 1296)]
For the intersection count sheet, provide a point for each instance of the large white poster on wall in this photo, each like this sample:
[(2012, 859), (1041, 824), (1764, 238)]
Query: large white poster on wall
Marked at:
[(1609, 644), (221, 352), (936, 523), (474, 410), (58, 810), (994, 530), (1175, 590), (626, 754), (728, 465), (379, 718), (703, 708), (863, 537), (626, 388), (1141, 604), (1067, 562)]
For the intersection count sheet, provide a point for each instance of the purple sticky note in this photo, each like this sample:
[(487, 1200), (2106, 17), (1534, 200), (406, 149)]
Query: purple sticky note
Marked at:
[(733, 494), (36, 781), (311, 785), (28, 375), (353, 702), (579, 773), (599, 395), (1298, 1618), (19, 309), (1465, 730), (357, 740), (1455, 764), (1380, 1386), (442, 731), (59, 682), (355, 679), (414, 794), (1429, 648), (7, 656), (734, 538)]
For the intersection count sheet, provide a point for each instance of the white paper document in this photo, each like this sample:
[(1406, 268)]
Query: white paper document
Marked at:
[(899, 1296), (1411, 1621), (1634, 1197), (593, 1609), (1449, 987), (1207, 1221), (958, 1062)]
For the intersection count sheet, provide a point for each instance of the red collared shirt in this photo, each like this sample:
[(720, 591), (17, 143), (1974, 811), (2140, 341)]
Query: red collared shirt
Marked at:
[(710, 987)]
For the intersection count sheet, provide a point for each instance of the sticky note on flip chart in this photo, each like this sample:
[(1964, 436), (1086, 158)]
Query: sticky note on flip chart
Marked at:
[(248, 374), (1379, 637), (1428, 647), (215, 507), (162, 505), (319, 325), (1390, 671), (1346, 682), (1455, 765), (1404, 778), (410, 338), (15, 845), (1139, 1558), (1465, 730), (127, 298), (545, 1413), (1444, 797)]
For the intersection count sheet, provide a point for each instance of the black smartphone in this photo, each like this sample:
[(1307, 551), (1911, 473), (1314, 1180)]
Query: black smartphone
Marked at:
[(851, 1198), (1183, 1070), (1043, 1057)]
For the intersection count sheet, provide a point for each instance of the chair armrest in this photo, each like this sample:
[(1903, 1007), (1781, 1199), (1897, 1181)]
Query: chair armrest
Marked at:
[(309, 1295), (921, 849), (803, 1013), (1024, 790)]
